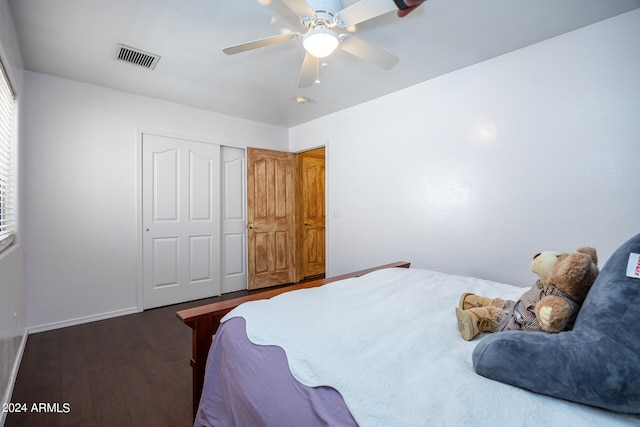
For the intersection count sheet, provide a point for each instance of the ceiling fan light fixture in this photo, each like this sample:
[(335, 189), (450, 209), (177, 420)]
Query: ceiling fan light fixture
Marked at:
[(320, 42)]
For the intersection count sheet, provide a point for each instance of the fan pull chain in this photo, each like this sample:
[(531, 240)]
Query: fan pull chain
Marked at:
[(317, 71)]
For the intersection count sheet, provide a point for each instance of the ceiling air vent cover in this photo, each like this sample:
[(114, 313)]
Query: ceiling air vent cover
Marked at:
[(137, 56)]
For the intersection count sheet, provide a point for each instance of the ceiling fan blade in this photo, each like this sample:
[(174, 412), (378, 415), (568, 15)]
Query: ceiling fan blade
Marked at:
[(308, 71), (299, 7), (232, 50), (369, 52), (364, 10)]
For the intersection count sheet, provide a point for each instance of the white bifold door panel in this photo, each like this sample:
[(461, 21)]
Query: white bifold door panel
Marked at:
[(234, 220), (181, 242)]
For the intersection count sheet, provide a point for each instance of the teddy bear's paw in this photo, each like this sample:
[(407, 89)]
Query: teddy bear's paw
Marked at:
[(544, 316)]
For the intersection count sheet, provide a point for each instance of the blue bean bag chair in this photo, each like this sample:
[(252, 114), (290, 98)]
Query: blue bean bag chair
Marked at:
[(597, 363)]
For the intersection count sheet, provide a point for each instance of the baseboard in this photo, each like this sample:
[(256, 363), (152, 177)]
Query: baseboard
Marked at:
[(14, 376), (81, 320)]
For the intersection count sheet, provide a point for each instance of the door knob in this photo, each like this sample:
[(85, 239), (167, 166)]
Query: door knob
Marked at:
[(252, 226)]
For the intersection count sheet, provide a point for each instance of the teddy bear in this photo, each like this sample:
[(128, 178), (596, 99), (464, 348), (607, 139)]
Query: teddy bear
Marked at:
[(551, 305)]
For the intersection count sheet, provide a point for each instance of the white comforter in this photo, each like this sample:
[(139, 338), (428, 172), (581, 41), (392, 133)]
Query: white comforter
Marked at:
[(388, 342)]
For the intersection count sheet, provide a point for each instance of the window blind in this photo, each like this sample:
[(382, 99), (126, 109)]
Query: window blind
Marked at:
[(7, 162)]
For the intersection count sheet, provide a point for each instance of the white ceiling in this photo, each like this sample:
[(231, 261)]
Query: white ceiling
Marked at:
[(76, 39)]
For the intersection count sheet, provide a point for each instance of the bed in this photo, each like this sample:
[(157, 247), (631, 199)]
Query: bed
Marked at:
[(379, 347)]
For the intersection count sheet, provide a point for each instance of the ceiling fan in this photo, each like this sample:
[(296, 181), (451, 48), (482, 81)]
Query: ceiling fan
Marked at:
[(326, 22)]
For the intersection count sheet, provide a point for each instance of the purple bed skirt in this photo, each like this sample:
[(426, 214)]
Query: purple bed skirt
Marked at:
[(248, 385)]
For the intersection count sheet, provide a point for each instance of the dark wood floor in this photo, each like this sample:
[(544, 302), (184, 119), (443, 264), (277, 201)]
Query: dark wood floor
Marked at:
[(127, 371)]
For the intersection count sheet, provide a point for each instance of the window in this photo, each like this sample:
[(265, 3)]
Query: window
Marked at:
[(7, 162)]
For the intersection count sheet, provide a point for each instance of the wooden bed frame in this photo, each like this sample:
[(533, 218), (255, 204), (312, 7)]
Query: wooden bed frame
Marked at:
[(205, 320)]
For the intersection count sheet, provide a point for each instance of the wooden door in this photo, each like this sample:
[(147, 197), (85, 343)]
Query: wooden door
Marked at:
[(181, 220), (311, 167), (270, 216)]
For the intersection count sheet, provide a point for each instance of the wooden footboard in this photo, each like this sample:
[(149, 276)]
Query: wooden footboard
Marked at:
[(205, 320)]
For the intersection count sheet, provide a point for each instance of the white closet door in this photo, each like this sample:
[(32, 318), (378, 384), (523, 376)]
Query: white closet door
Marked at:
[(181, 220), (234, 220)]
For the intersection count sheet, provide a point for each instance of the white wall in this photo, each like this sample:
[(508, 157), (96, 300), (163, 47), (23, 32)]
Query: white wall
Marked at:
[(81, 189), (476, 171), (12, 285)]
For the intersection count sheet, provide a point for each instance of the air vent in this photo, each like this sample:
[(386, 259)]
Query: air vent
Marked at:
[(137, 56)]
